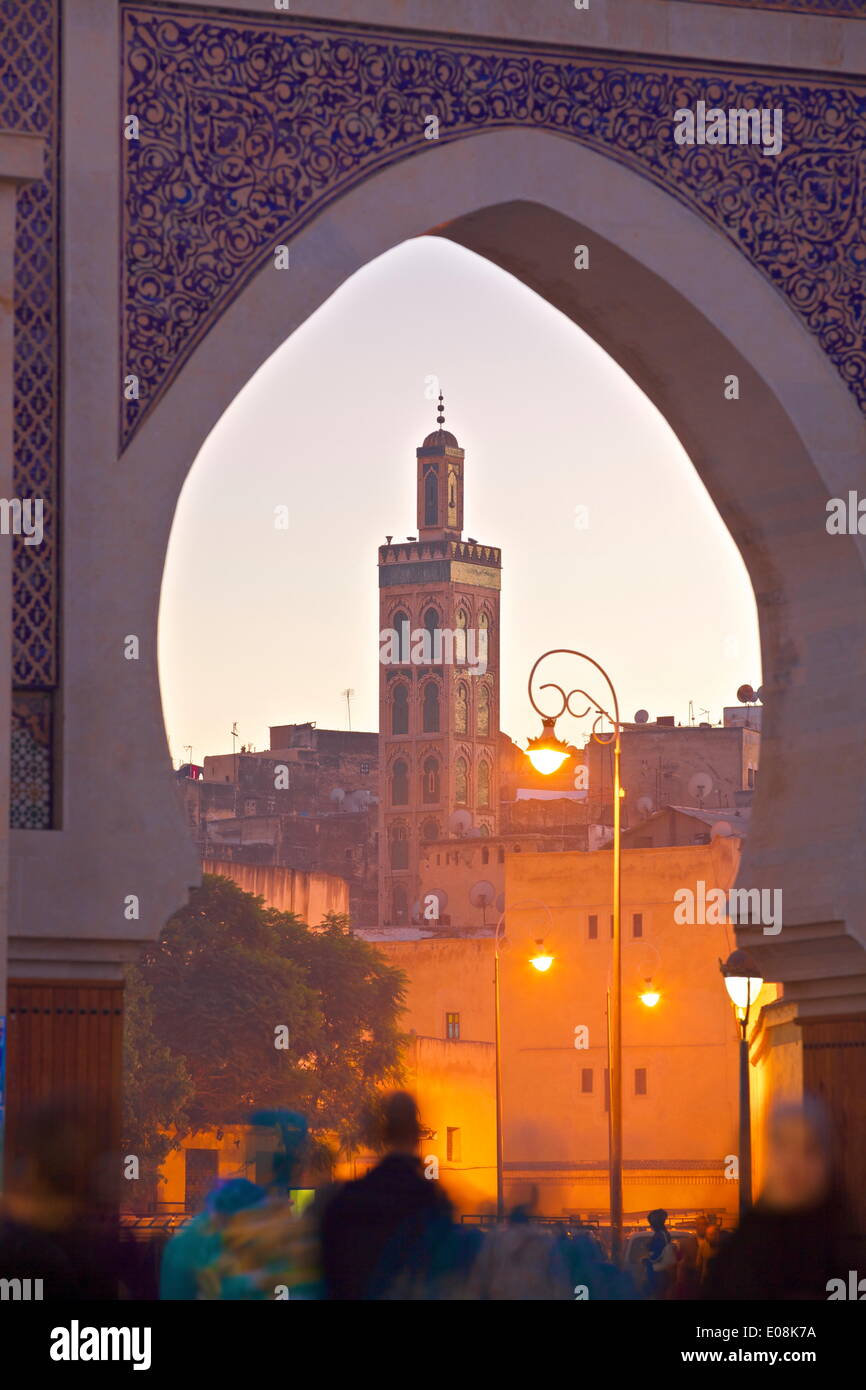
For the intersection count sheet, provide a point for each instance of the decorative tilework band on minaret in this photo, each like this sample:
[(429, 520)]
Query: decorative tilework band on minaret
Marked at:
[(438, 682)]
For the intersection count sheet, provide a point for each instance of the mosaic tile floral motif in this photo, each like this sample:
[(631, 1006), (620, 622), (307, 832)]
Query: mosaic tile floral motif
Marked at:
[(31, 761), (29, 101), (250, 127), (847, 9)]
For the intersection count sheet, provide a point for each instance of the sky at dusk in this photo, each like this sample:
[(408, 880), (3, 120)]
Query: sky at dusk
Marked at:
[(609, 541)]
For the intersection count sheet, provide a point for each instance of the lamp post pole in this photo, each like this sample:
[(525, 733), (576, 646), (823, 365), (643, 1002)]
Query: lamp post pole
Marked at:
[(615, 1000), (616, 1015), (744, 983), (500, 1197), (745, 1174)]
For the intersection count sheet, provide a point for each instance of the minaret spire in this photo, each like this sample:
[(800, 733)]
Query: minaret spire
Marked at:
[(440, 482)]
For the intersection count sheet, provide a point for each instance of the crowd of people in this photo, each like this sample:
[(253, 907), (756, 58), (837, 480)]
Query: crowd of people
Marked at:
[(394, 1235)]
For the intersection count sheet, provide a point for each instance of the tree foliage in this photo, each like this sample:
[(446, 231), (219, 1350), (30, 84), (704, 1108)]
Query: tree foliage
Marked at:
[(227, 980), (156, 1086)]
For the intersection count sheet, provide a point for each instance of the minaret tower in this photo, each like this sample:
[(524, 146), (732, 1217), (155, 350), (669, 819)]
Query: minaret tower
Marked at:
[(438, 681)]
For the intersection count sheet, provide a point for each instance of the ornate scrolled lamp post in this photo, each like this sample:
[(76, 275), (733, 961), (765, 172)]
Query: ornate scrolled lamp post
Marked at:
[(547, 753)]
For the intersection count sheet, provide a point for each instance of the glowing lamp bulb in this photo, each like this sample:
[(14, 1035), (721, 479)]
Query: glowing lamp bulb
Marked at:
[(546, 760), (541, 960), (547, 753), (650, 998), (743, 990), (742, 980)]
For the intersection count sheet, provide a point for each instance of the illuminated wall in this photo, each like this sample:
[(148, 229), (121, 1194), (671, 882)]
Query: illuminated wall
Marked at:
[(680, 1058)]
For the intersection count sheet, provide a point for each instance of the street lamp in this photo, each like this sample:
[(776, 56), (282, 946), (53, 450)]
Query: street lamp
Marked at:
[(744, 983), (542, 962), (547, 753)]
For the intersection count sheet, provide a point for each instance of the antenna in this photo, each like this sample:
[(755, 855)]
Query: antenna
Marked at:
[(347, 696), (235, 759)]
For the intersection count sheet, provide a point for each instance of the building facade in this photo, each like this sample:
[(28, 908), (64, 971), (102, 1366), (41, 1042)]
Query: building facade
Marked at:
[(305, 806), (565, 141), (679, 1056), (710, 767), (438, 680)]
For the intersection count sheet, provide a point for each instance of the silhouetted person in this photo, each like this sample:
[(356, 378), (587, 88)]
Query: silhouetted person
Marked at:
[(661, 1259), (55, 1222), (373, 1229), (198, 1245), (795, 1239)]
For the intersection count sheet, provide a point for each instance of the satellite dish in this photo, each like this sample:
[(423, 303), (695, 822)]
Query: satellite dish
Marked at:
[(460, 821), (700, 786), (338, 795), (482, 894), (641, 716), (746, 695), (645, 805), (721, 829), (759, 694)]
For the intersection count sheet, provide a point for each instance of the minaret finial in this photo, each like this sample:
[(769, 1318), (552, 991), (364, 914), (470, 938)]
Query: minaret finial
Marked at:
[(440, 418)]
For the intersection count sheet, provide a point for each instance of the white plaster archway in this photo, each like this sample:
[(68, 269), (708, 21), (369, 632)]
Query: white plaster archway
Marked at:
[(679, 307)]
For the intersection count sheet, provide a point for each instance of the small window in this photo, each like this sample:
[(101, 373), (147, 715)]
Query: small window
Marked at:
[(586, 1081), (461, 781), (592, 923), (452, 1027), (640, 1081), (399, 847), (400, 783), (430, 781), (400, 710), (365, 769), (501, 855), (249, 808), (453, 1146), (637, 924), (430, 716), (485, 856)]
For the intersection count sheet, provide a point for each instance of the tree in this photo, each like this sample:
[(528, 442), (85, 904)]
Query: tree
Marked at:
[(156, 1088), (361, 997), (262, 1012), (232, 1004)]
